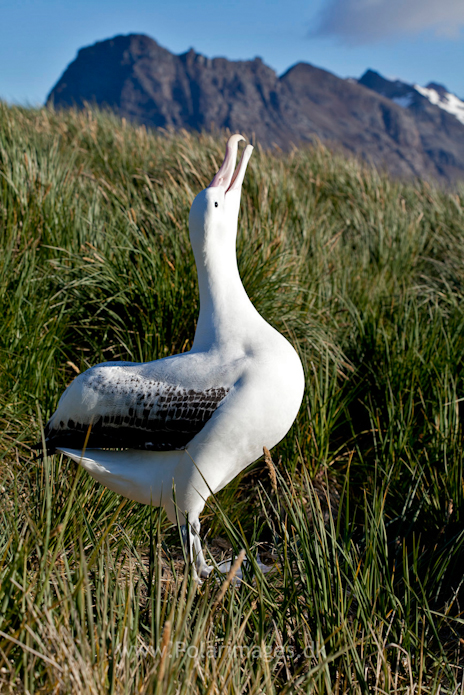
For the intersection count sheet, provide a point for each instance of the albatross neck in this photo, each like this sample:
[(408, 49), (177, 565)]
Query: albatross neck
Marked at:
[(225, 309)]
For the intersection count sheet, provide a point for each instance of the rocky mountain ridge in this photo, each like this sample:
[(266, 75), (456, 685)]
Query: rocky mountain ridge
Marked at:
[(407, 95), (148, 84)]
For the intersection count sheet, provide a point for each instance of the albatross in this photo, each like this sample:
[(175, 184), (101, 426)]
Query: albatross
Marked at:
[(171, 432)]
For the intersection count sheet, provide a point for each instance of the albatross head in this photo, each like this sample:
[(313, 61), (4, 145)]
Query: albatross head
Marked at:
[(214, 212)]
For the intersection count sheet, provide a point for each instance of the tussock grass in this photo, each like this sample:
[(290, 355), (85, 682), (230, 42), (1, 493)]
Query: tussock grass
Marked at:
[(363, 523)]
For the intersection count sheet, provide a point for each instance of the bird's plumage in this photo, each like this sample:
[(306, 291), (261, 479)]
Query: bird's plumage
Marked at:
[(126, 405), (192, 421)]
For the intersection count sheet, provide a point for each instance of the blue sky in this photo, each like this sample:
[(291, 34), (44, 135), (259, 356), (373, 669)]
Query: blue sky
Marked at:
[(415, 40)]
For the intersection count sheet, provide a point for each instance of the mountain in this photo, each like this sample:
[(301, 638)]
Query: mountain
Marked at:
[(405, 94), (148, 84)]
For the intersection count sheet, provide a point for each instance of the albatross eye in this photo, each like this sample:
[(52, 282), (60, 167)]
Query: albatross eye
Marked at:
[(216, 204)]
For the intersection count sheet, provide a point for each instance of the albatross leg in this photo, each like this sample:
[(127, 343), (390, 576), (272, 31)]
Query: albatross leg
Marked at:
[(193, 550), (203, 569)]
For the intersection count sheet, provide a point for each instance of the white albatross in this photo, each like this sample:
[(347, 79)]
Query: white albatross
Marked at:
[(189, 422)]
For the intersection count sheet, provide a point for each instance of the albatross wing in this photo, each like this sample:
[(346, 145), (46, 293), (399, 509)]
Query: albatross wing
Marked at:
[(126, 409)]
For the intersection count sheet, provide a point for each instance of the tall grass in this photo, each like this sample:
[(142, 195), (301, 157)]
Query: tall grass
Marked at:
[(365, 275)]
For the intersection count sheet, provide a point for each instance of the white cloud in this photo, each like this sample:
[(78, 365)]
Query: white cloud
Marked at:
[(366, 21)]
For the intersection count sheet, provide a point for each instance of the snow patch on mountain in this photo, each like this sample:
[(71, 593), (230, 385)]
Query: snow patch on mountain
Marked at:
[(445, 100), (409, 96)]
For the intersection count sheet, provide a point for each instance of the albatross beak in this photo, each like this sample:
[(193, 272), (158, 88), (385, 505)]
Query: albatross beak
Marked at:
[(226, 177)]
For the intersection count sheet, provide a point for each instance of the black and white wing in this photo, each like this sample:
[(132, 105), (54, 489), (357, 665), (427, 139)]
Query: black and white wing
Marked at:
[(112, 408)]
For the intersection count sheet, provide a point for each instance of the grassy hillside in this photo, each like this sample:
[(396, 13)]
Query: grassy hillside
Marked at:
[(365, 275)]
